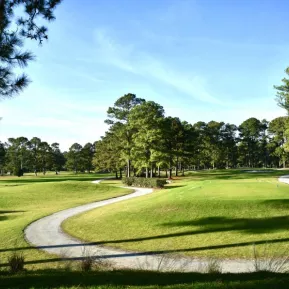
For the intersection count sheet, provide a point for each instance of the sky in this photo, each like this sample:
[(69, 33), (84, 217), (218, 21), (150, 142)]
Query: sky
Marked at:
[(202, 60)]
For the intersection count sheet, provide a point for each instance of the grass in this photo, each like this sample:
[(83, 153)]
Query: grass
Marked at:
[(206, 214), (141, 279), (26, 199)]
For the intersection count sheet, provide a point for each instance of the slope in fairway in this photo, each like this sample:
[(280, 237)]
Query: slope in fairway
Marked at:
[(219, 214), (24, 200)]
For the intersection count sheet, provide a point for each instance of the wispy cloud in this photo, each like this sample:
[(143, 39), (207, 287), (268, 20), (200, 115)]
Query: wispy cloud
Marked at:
[(141, 63)]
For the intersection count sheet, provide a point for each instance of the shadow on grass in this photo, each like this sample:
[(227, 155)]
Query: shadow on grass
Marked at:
[(135, 254), (170, 187), (235, 174), (244, 225), (277, 203), (60, 278), (51, 180), (11, 185), (3, 214)]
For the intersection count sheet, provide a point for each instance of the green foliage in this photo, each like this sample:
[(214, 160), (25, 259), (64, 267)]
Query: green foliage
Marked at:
[(13, 32), (144, 182), (18, 172), (282, 96)]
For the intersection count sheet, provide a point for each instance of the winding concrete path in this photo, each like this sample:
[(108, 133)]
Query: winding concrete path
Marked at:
[(284, 179), (47, 234)]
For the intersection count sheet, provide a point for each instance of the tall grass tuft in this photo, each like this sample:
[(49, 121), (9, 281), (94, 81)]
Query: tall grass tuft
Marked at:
[(271, 261), (16, 262)]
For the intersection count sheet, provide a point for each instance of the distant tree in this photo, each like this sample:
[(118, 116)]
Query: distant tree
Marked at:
[(146, 120), (119, 113), (202, 159), (251, 132), (2, 157), (107, 155), (188, 148), (278, 130), (34, 146), (282, 95), (87, 154), (172, 134), (229, 144), (58, 159), (18, 155), (13, 31), (45, 152), (213, 142), (74, 158)]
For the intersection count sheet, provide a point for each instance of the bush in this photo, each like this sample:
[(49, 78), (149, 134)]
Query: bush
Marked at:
[(16, 262), (144, 182), (18, 172)]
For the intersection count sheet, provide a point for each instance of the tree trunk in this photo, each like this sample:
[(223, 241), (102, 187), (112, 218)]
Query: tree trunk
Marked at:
[(116, 175), (284, 164), (147, 172), (170, 173), (120, 173), (152, 170), (128, 168), (183, 171), (159, 171), (177, 164), (166, 173)]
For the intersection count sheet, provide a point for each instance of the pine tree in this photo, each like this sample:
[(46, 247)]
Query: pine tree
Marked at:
[(13, 32)]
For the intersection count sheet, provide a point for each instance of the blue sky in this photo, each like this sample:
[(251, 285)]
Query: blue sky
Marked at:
[(201, 59)]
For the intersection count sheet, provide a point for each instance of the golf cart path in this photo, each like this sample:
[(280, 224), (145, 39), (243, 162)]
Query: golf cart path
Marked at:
[(284, 179), (47, 234)]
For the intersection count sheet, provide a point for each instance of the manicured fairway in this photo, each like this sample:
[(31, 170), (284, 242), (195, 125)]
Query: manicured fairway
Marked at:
[(219, 214), (25, 199)]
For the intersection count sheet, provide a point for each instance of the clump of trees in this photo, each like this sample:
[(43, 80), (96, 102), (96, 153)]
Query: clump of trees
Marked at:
[(20, 155), (141, 141)]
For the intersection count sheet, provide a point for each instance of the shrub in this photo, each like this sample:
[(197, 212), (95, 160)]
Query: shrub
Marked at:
[(18, 172), (16, 262), (144, 182)]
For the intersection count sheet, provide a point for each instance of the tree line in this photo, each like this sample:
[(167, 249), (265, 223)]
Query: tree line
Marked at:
[(141, 140), (20, 155)]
